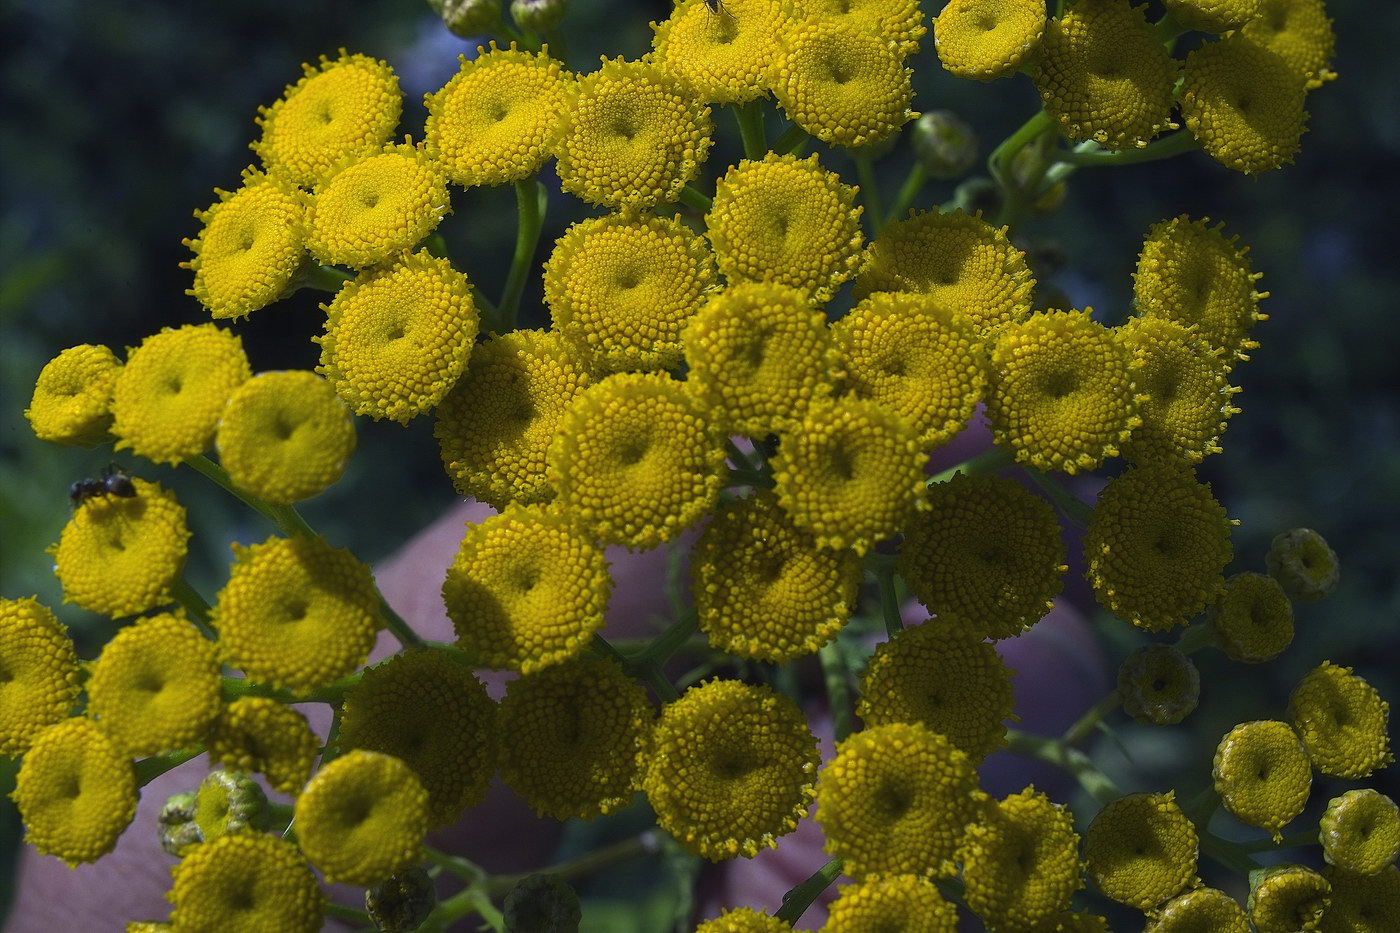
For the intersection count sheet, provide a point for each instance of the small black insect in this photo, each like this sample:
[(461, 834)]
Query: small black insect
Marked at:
[(715, 6), (113, 482)]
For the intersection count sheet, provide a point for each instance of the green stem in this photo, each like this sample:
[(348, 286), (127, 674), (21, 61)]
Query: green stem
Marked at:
[(796, 901), (148, 769), (750, 119), (665, 690), (642, 844), (1194, 638), (530, 199), (220, 476), (465, 869), (692, 197), (869, 191), (1201, 807), (1164, 148), (1054, 751), (670, 641), (1091, 719), (998, 163), (889, 599), (195, 606), (989, 461), (318, 277), (1078, 513), (608, 650), (740, 459), (485, 308), (913, 183), (790, 140), (435, 245), (395, 624), (1292, 841), (758, 478), (1169, 30), (348, 913), (838, 688), (331, 751), (1228, 854)]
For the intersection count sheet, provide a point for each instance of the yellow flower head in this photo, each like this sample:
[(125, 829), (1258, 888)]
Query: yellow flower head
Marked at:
[(399, 336), (895, 800), (843, 85), (120, 555), (1103, 74), (759, 355), (1289, 899), (1204, 910), (575, 731), (1362, 903), (72, 402), (1252, 618), (763, 589), (499, 118), (371, 208), (285, 436), (1188, 393), (155, 688), (1021, 862), (362, 818), (1360, 831), (730, 769), (249, 248), (636, 459), (246, 882), (1299, 32), (1159, 686), (988, 39), (1244, 104), (296, 613), (1191, 273), (850, 474), (1342, 722), (743, 919), (906, 903), (427, 709), (720, 58), (169, 396), (75, 791), (632, 138), (1303, 564), (1141, 849), (1213, 15), (260, 734), (958, 260), (986, 550), (786, 220), (1062, 391), (621, 287), (344, 108), (899, 22), (1262, 774), (915, 356), (38, 673), (943, 676), (1156, 546)]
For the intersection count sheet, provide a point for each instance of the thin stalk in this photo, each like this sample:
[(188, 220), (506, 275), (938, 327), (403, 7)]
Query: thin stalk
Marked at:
[(195, 606), (889, 600), (1195, 637), (739, 458), (838, 688), (1000, 159), (1091, 719), (989, 461), (669, 641), (1200, 807), (396, 625), (1169, 30), (220, 476), (693, 198), (465, 869), (750, 119), (1228, 854), (148, 769), (869, 191), (790, 140), (1164, 148), (529, 204), (665, 690), (913, 183), (1054, 751), (1078, 513), (796, 901), (318, 277), (348, 913), (751, 478), (605, 648), (1292, 841), (642, 844)]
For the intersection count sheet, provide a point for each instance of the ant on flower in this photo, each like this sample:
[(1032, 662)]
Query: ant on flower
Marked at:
[(112, 482), (716, 7)]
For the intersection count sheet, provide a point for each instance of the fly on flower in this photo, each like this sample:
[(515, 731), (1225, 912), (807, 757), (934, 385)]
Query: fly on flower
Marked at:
[(716, 7)]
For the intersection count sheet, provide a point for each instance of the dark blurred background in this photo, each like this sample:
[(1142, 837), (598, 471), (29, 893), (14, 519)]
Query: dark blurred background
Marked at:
[(119, 118)]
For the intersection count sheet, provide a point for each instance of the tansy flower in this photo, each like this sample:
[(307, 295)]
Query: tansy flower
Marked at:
[(38, 673), (1262, 774), (495, 426), (526, 589), (1342, 722), (759, 355), (427, 708), (895, 800), (729, 769), (371, 208), (987, 39), (722, 58), (943, 676), (850, 474), (575, 731), (75, 791), (632, 138), (1062, 393), (296, 613), (1198, 911), (1303, 564), (621, 287), (1141, 849), (229, 802), (1159, 686), (72, 401), (915, 356), (986, 550), (343, 108), (1299, 32), (1289, 899), (285, 436), (843, 85), (260, 734), (362, 818), (763, 589), (743, 919), (169, 396), (786, 220), (246, 882), (500, 117), (1362, 903), (899, 22), (1213, 15), (1188, 392), (958, 260), (1244, 104), (1360, 831), (119, 555), (1252, 618), (249, 248), (636, 460), (903, 903), (399, 336), (1156, 546), (1021, 861), (155, 688)]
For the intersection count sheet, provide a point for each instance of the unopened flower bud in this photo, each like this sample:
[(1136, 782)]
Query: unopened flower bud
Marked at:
[(1303, 564), (542, 903), (401, 902), (978, 193), (176, 825), (1023, 163), (468, 18), (538, 15), (945, 144), (1288, 899), (1159, 685), (228, 801)]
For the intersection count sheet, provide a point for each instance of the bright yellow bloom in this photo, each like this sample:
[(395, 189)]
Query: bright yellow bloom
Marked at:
[(1362, 903), (75, 791), (1159, 685), (1262, 774), (1299, 32), (1289, 899), (344, 108), (1342, 722), (1201, 909), (38, 673), (72, 402), (1252, 618), (743, 920), (786, 220), (723, 58), (1244, 104), (1360, 831), (903, 903), (1303, 564), (246, 882), (988, 39), (1141, 849), (900, 22), (260, 734), (1189, 396), (120, 555), (1021, 861), (169, 396), (399, 336), (1213, 15), (730, 768)]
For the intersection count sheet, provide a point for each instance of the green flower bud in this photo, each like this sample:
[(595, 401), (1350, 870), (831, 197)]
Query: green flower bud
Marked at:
[(978, 194), (1288, 899), (542, 903), (945, 144), (1303, 564), (401, 902), (1021, 165), (468, 18), (176, 825), (538, 15), (1360, 831), (1159, 685), (228, 801)]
